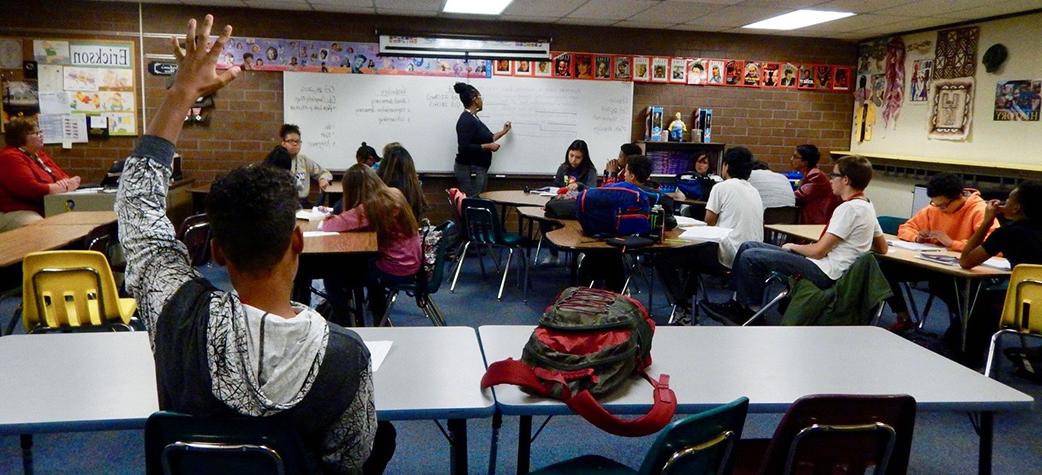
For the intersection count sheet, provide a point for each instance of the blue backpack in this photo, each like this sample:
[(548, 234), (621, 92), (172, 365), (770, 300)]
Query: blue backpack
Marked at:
[(620, 209)]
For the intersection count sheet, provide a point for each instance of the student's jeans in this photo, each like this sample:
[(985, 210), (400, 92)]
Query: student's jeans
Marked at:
[(472, 179), (756, 260)]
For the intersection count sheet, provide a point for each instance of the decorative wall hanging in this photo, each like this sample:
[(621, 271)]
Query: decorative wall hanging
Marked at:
[(641, 69), (696, 71), (1018, 100), (919, 84), (956, 55), (895, 80), (678, 70), (602, 67), (951, 109), (660, 69), (716, 72), (623, 68)]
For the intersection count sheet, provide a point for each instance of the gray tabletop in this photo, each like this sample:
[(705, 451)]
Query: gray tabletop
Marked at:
[(430, 373), (774, 366), (71, 382)]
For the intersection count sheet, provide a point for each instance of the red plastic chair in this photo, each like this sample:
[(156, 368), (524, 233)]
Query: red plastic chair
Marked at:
[(835, 434)]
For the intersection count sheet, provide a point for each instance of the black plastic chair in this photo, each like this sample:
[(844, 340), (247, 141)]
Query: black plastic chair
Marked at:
[(483, 228), (424, 286), (195, 234), (182, 444)]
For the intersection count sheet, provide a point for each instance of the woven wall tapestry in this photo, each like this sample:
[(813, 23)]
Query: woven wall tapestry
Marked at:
[(956, 54), (951, 112)]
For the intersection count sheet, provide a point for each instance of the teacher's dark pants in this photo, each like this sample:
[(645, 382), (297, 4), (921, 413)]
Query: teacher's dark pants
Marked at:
[(472, 179)]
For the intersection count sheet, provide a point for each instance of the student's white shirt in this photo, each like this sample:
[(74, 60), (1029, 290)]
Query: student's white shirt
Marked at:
[(855, 223), (737, 206), (775, 189)]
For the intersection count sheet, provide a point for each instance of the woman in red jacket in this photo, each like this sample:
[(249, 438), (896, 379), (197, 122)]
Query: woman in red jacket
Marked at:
[(814, 195), (27, 174)]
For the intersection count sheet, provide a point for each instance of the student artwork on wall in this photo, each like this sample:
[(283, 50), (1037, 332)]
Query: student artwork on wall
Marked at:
[(522, 68), (623, 68), (877, 89), (563, 65), (660, 69), (789, 75), (919, 83), (602, 67), (1017, 100), (583, 66), (503, 68), (715, 72), (696, 71), (951, 109), (641, 69), (751, 74), (956, 53), (771, 74), (542, 69), (841, 79), (806, 80), (678, 70), (895, 81)]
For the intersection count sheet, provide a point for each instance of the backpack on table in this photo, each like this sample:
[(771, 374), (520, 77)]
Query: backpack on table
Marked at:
[(621, 209)]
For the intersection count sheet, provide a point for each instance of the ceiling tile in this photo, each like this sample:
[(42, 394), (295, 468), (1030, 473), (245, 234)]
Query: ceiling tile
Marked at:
[(673, 12), (786, 4), (854, 23), (587, 21), (690, 27), (859, 6), (644, 24), (1000, 8), (527, 19), (932, 8), (736, 16), (611, 9), (542, 8), (276, 5), (343, 9), (388, 6), (712, 2)]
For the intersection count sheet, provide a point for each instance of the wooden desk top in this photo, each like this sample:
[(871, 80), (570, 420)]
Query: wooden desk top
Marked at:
[(516, 198), (15, 244), (95, 218), (342, 243), (534, 212), (811, 232), (571, 237)]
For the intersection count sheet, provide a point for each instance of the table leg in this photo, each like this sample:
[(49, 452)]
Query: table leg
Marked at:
[(458, 439), (27, 453), (359, 298), (987, 429), (497, 423), (964, 302), (524, 444)]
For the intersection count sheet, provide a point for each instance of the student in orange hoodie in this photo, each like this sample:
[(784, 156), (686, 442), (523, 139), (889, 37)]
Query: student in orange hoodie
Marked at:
[(954, 214)]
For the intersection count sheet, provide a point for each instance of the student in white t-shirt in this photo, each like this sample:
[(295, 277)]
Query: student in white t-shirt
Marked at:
[(775, 188), (852, 231), (733, 203)]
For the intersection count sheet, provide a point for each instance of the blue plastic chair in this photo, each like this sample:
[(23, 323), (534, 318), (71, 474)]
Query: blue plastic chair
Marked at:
[(424, 285), (698, 444), (483, 228)]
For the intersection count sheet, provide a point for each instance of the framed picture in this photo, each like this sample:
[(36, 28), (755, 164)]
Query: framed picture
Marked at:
[(563, 66), (623, 69), (841, 79), (522, 68), (696, 71), (502, 67), (789, 75), (602, 67), (715, 72), (641, 69), (583, 66), (806, 80), (752, 74), (771, 75), (733, 71), (823, 77), (660, 70), (543, 69), (678, 70)]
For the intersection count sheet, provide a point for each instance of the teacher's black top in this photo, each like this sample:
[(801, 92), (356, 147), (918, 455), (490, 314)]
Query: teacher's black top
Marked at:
[(470, 134)]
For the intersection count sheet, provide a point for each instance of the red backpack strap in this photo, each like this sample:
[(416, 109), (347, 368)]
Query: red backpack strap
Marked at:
[(662, 410), (511, 371)]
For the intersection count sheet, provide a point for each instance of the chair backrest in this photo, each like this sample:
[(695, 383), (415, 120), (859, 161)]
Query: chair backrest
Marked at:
[(183, 444), (890, 223), (698, 444), (781, 215), (448, 231), (827, 432), (195, 234), (68, 289), (1023, 308), (481, 221)]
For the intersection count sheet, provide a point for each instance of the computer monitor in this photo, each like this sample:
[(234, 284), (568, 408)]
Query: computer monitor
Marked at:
[(919, 199)]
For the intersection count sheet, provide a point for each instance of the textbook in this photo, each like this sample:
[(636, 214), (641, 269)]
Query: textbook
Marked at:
[(944, 259)]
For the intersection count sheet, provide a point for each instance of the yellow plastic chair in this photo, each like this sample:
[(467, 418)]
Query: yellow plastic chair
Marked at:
[(66, 290), (1022, 312)]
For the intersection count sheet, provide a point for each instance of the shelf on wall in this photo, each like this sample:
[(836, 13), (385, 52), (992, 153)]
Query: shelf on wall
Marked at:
[(998, 172)]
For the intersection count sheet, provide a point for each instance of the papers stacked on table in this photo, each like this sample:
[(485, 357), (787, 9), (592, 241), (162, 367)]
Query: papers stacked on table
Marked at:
[(705, 233), (686, 222), (313, 214), (914, 246), (1000, 263)]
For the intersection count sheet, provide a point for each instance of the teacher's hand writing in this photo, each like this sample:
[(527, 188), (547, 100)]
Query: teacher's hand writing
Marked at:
[(492, 147), (506, 127)]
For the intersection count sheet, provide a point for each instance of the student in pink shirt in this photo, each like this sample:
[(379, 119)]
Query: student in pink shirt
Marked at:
[(370, 205)]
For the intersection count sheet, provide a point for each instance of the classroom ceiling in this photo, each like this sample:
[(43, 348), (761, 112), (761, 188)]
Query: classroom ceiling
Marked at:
[(874, 17)]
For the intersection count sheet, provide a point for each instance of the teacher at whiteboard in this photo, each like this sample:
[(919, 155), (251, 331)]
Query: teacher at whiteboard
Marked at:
[(476, 142)]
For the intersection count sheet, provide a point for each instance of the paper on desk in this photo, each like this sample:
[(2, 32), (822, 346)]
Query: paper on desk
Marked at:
[(913, 246), (547, 193), (378, 351), (705, 233), (544, 189), (686, 222), (319, 233), (1000, 263), (313, 214)]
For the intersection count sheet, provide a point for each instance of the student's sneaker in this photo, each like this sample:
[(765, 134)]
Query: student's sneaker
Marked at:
[(728, 313), (682, 317)]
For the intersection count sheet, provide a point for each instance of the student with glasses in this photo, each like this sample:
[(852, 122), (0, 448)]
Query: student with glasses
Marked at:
[(304, 169), (27, 174)]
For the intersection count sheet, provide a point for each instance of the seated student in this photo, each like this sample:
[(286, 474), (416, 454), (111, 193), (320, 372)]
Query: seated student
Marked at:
[(614, 168), (1019, 240), (814, 194), (774, 188), (733, 203), (852, 231), (27, 174), (372, 205), (303, 168), (251, 352), (399, 171), (577, 172), (955, 212), (367, 156)]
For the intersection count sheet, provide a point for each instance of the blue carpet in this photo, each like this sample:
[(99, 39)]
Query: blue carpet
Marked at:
[(944, 442)]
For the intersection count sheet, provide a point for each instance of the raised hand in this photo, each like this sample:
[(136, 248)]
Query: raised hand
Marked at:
[(196, 65)]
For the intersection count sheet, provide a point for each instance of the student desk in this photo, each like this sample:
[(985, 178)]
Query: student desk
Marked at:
[(432, 373), (508, 198), (178, 200), (774, 366), (95, 218), (345, 254), (967, 281), (333, 192)]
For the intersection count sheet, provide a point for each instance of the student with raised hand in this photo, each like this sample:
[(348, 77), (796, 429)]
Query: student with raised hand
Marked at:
[(251, 352), (953, 215), (372, 205), (303, 168), (577, 172), (852, 231), (814, 194), (399, 171)]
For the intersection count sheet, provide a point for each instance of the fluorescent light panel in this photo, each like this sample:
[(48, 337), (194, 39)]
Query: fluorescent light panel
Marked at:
[(798, 19), (476, 7)]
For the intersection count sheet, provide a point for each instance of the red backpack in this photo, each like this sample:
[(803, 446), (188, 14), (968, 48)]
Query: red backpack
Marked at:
[(589, 343)]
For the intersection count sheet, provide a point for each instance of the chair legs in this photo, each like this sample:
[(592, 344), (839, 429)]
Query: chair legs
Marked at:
[(459, 266), (392, 297), (431, 310), (506, 270), (995, 346)]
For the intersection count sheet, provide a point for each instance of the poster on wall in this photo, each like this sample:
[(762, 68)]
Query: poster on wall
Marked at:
[(771, 74), (583, 66), (641, 69), (623, 68), (602, 67), (752, 74), (660, 69), (841, 82), (51, 51), (678, 70), (789, 74), (10, 53), (716, 72), (563, 66), (1018, 100), (951, 110), (920, 82), (542, 69), (21, 98), (733, 72), (696, 71)]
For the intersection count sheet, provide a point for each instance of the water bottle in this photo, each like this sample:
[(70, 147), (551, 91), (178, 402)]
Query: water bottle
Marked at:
[(658, 215)]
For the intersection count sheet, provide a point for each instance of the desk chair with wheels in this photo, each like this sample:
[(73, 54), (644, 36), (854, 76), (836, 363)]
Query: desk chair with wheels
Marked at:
[(835, 434), (183, 444), (68, 290), (424, 286), (700, 444), (1022, 312), (483, 228)]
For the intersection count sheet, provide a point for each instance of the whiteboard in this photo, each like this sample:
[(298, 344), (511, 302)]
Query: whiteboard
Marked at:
[(336, 112)]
